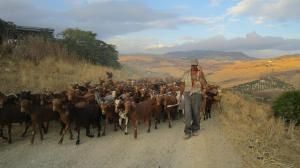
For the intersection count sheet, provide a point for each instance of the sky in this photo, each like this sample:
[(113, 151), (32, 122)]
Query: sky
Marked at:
[(259, 28)]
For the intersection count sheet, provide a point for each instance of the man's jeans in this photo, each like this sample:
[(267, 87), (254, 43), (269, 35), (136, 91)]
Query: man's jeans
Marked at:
[(191, 111)]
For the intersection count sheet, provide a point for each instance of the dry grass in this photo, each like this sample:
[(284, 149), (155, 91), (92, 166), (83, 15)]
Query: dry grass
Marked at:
[(38, 64), (245, 71), (136, 58), (262, 140), (170, 70), (292, 77), (224, 73), (51, 73)]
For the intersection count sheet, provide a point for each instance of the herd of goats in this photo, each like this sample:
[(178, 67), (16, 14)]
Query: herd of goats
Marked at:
[(99, 105)]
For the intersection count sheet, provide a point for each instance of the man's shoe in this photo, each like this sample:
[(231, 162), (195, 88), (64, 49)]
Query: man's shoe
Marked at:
[(187, 136), (196, 133)]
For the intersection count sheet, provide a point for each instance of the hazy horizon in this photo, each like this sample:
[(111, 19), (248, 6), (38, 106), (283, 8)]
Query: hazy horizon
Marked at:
[(161, 54)]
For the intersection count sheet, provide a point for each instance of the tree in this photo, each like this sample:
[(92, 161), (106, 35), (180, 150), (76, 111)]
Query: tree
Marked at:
[(4, 29), (87, 47)]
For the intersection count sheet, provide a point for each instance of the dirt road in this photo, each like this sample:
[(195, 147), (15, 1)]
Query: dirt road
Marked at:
[(161, 148)]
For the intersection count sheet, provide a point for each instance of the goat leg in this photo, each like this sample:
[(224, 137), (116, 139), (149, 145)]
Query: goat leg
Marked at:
[(155, 123), (45, 128), (126, 125), (104, 128), (157, 116), (206, 112), (63, 134), (1, 132), (27, 125), (62, 128), (41, 131), (2, 135), (169, 118), (149, 125), (9, 133), (33, 133), (120, 123), (220, 105), (115, 123), (78, 136), (135, 129), (99, 127), (70, 130), (88, 132)]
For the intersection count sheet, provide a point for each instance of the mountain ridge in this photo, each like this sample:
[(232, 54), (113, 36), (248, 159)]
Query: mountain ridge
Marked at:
[(210, 54)]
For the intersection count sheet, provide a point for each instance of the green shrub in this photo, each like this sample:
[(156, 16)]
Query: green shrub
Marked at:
[(287, 106), (85, 45)]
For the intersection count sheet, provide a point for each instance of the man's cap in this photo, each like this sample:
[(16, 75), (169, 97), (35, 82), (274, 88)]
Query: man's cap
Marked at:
[(194, 62)]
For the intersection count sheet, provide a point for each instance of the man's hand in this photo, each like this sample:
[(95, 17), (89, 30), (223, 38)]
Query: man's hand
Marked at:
[(181, 89)]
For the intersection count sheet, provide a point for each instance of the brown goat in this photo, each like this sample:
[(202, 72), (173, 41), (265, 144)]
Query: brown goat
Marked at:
[(10, 113), (157, 108), (66, 116), (170, 108), (31, 105), (108, 110), (86, 112), (143, 112)]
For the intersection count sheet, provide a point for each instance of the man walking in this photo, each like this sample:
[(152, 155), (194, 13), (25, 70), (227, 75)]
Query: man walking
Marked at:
[(193, 85)]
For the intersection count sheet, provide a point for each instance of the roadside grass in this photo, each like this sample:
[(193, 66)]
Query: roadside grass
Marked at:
[(50, 73), (37, 64), (261, 139)]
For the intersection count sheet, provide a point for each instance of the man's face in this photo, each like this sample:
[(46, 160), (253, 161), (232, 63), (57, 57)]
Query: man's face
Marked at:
[(194, 67)]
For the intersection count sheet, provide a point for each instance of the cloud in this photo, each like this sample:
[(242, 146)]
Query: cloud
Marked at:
[(23, 12), (95, 1), (156, 46), (107, 18), (111, 18), (133, 44), (173, 23), (117, 11), (263, 10), (251, 43), (215, 2), (259, 20)]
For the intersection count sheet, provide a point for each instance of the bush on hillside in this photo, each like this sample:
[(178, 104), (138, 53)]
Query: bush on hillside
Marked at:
[(84, 45), (287, 106), (87, 47)]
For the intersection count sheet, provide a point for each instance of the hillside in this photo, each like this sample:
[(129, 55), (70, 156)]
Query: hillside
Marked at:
[(168, 66), (262, 140), (210, 54), (265, 89), (155, 64), (53, 74), (225, 73), (41, 64), (244, 71)]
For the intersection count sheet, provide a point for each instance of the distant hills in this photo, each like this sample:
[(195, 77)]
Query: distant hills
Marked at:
[(225, 73), (209, 54)]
